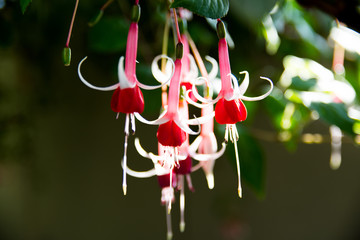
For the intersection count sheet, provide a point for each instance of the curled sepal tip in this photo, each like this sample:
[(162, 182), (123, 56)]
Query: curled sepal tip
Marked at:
[(112, 87), (66, 56)]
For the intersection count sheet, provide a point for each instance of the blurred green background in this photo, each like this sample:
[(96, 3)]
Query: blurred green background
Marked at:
[(61, 146)]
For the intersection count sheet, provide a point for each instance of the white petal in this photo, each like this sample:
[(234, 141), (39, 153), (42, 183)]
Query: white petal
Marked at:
[(189, 100), (181, 124), (112, 87), (242, 97), (245, 83), (200, 120), (162, 119), (123, 80), (193, 72), (201, 98), (195, 145), (144, 174), (215, 68), (166, 79), (210, 156), (158, 74)]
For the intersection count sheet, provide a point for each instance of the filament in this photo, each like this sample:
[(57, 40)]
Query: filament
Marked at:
[(126, 130)]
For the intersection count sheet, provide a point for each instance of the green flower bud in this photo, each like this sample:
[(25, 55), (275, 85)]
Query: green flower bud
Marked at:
[(135, 13), (220, 29), (179, 50), (67, 56)]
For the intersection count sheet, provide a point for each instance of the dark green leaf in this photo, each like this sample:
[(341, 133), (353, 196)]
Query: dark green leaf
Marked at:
[(24, 4), (206, 8), (299, 84), (109, 35), (335, 114), (252, 161)]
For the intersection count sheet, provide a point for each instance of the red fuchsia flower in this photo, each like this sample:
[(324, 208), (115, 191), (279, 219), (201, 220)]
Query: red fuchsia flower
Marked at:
[(204, 148), (172, 126), (127, 97), (229, 108), (165, 175)]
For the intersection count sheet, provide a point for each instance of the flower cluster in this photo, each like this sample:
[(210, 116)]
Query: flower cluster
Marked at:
[(179, 80)]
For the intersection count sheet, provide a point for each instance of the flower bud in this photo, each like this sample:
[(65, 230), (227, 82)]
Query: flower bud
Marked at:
[(135, 13), (94, 20), (67, 56), (220, 29), (179, 50)]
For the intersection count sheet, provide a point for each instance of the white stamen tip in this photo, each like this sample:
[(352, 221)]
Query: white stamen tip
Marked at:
[(182, 227), (124, 189), (169, 235), (210, 180), (240, 192)]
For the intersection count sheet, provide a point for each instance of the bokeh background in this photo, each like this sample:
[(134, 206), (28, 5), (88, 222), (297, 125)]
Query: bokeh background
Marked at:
[(61, 146)]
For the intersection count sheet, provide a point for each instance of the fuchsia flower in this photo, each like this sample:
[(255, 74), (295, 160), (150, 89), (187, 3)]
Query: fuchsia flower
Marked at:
[(229, 108), (127, 97), (206, 146), (173, 127)]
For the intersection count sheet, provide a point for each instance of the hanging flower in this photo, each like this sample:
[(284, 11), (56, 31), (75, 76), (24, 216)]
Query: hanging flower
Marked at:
[(229, 108), (127, 97)]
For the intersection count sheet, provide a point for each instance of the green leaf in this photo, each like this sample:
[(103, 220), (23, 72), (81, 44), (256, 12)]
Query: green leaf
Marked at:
[(108, 35), (252, 161), (24, 4), (302, 85), (335, 114), (206, 8)]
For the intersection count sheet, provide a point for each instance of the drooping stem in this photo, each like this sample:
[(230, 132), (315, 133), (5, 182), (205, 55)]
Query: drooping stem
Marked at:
[(177, 26), (106, 5), (72, 24), (165, 42), (198, 58)]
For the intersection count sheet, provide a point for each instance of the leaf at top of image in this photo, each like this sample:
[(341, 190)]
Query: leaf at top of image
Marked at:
[(206, 8), (24, 4)]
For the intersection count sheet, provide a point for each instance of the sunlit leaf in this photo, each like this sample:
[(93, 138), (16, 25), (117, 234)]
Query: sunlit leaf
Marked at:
[(24, 4), (299, 84), (335, 114), (206, 8)]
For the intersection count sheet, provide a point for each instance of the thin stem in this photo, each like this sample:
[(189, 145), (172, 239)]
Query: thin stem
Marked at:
[(165, 42), (72, 24), (198, 58), (106, 5), (177, 26)]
